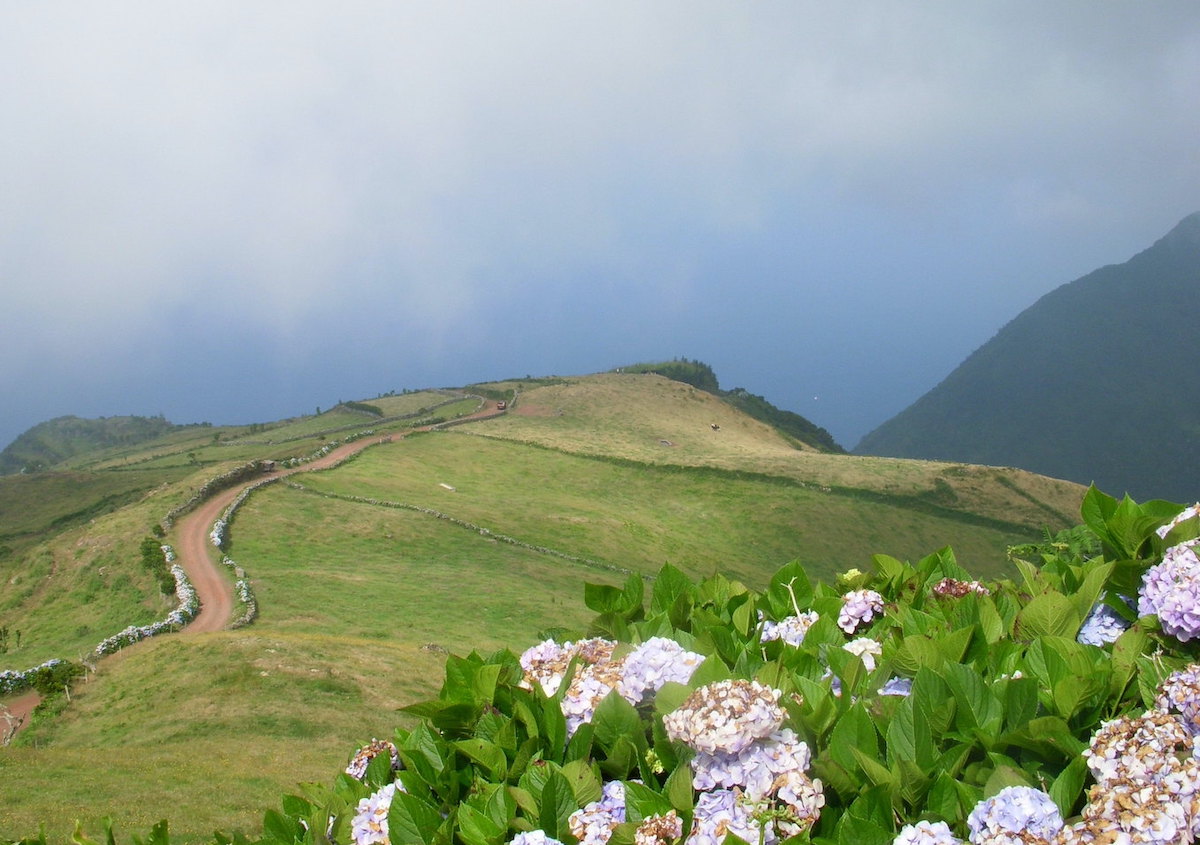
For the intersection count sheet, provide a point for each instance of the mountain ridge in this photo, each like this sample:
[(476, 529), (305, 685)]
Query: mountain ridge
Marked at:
[(1075, 386)]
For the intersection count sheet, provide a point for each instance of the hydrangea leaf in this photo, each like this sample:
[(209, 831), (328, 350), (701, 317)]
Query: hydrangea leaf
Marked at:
[(555, 805), (412, 821)]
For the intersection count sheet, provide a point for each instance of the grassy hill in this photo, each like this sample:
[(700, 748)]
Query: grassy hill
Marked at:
[(477, 536)]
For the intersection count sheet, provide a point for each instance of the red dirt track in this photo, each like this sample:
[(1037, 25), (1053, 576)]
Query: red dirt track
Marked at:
[(193, 552)]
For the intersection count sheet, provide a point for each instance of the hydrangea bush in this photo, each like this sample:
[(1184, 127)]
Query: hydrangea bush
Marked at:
[(904, 704)]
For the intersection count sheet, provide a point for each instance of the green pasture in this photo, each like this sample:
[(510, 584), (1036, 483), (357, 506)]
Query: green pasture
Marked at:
[(642, 516), (207, 731), (67, 594), (359, 570)]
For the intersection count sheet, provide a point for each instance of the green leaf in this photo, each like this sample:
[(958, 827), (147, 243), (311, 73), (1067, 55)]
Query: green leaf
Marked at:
[(670, 586), (641, 802), (790, 592), (411, 821), (555, 806), (678, 789), (1067, 789), (615, 718), (475, 827), (489, 756), (584, 783), (853, 735), (1049, 615), (978, 708)]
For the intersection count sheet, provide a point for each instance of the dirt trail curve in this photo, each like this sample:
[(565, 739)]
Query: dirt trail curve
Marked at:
[(192, 539), (192, 552)]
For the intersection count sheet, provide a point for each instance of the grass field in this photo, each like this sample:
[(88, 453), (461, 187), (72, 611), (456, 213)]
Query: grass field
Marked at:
[(360, 602)]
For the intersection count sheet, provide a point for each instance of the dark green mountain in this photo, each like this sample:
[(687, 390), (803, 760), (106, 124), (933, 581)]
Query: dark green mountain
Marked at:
[(1098, 381), (61, 438)]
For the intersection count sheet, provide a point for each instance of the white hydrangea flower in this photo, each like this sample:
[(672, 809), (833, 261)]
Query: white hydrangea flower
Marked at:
[(859, 606), (790, 629), (588, 688), (926, 833), (546, 662), (1144, 814), (867, 649), (726, 716), (659, 830), (802, 798), (655, 662), (370, 823), (1154, 748)]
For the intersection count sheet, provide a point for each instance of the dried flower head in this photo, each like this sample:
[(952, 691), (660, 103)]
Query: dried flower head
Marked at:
[(726, 716)]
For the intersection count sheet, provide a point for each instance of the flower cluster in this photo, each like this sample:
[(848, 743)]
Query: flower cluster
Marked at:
[(926, 833), (755, 768), (1016, 815), (957, 589), (546, 663), (791, 629), (1103, 626), (725, 717), (643, 671), (534, 837), (719, 813), (750, 773), (357, 768), (370, 823), (1171, 590), (859, 607), (594, 823), (659, 830), (655, 662), (1180, 693)]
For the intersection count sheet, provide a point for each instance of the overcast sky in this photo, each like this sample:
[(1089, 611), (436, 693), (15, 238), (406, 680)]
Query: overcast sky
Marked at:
[(235, 212)]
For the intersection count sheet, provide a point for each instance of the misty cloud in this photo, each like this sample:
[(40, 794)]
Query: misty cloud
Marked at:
[(411, 194)]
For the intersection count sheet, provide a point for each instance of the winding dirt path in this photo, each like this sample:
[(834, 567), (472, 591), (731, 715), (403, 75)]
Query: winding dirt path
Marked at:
[(192, 546)]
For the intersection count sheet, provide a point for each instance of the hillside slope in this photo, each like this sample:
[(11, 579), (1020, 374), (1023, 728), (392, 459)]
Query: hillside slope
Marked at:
[(1096, 382), (655, 420), (56, 440)]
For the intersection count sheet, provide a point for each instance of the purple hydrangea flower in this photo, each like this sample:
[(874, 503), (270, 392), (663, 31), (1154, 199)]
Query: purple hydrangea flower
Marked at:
[(1171, 591), (1103, 626), (1014, 810), (859, 606), (720, 812), (755, 768), (593, 825), (653, 663)]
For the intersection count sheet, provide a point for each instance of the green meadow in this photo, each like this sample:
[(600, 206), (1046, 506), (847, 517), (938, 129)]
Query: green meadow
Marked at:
[(368, 575)]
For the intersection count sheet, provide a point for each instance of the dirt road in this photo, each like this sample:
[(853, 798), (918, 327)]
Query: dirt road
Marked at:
[(192, 545)]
